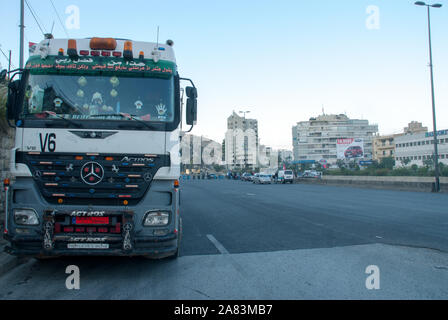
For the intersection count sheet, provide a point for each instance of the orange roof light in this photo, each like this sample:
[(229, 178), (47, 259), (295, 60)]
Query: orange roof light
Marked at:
[(72, 51), (127, 50), (176, 183), (103, 44), (61, 52)]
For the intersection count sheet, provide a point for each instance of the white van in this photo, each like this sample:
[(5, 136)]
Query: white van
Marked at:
[(285, 176)]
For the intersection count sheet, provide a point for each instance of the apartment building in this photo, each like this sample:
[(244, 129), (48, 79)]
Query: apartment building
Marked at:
[(316, 139), (241, 142)]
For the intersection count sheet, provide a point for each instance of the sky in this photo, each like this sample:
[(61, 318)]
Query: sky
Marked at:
[(284, 61)]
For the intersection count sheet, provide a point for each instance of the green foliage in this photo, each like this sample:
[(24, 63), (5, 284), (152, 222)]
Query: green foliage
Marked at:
[(383, 169), (387, 163), (3, 97)]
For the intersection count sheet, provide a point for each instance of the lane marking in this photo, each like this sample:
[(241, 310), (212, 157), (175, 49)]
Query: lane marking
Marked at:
[(217, 244), (250, 194)]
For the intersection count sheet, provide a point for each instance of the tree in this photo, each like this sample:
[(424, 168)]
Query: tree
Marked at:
[(406, 161), (429, 163), (340, 163), (388, 163)]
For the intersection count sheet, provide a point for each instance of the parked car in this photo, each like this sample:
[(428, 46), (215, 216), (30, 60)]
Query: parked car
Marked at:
[(353, 152), (284, 176), (262, 178)]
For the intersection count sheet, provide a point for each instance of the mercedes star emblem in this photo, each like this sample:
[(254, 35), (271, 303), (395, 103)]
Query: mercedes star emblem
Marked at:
[(92, 173)]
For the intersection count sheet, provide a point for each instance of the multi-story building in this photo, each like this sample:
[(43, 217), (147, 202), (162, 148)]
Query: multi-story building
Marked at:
[(416, 148), (316, 139), (285, 156), (241, 142), (200, 152), (384, 146)]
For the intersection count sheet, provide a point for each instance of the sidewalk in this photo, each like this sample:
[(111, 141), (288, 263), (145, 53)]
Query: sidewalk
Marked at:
[(7, 261)]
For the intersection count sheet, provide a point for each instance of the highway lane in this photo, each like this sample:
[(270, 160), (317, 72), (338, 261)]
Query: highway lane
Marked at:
[(256, 218), (246, 241)]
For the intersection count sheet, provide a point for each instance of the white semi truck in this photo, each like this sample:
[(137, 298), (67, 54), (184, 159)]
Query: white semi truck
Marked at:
[(96, 158)]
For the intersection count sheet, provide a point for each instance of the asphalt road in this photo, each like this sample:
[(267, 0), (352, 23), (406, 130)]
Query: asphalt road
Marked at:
[(246, 241)]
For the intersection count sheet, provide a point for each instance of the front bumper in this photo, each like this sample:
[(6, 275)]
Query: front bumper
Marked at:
[(130, 237), (154, 247)]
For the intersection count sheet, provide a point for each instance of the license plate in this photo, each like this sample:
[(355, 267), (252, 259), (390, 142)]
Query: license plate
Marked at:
[(88, 246), (91, 220)]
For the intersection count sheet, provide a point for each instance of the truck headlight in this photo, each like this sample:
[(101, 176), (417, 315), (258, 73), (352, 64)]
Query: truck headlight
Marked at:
[(156, 218), (26, 217)]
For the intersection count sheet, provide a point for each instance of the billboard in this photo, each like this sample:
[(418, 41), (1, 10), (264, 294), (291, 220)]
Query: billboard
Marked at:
[(350, 148)]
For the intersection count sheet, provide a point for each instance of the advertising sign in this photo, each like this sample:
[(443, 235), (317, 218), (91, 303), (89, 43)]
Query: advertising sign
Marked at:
[(350, 148)]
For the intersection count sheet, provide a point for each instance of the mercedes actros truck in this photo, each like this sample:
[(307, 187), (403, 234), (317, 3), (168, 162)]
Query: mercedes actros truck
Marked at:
[(96, 159)]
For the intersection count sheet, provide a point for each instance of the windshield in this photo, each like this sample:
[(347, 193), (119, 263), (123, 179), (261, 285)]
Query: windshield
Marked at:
[(92, 97)]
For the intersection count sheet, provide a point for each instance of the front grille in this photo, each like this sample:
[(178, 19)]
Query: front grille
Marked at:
[(123, 177)]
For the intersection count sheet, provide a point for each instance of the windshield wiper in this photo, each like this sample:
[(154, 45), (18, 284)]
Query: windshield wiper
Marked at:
[(65, 119), (123, 115)]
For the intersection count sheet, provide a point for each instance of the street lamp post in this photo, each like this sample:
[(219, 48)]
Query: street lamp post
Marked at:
[(436, 153)]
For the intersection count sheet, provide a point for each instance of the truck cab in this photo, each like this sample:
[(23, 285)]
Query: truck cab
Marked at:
[(96, 161)]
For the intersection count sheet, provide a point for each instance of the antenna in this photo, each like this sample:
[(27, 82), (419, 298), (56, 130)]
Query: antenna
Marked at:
[(157, 37), (52, 28)]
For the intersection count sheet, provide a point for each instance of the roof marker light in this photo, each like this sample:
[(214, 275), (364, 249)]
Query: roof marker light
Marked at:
[(127, 51), (72, 51), (61, 52), (103, 43)]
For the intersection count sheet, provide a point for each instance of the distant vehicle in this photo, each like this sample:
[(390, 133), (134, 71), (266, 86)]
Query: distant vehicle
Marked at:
[(311, 174), (353, 152), (211, 176), (285, 176), (261, 178), (246, 177)]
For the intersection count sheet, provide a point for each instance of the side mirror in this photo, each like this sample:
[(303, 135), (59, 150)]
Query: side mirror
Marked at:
[(13, 90), (191, 92), (192, 111)]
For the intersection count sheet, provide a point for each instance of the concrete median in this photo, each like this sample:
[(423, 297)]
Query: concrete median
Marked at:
[(423, 184)]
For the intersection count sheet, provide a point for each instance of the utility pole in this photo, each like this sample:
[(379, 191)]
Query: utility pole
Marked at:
[(436, 152), (22, 28), (9, 63)]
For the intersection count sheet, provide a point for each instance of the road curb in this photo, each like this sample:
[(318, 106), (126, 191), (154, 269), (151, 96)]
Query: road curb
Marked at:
[(7, 261)]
